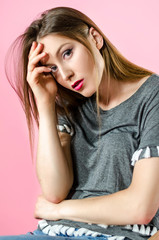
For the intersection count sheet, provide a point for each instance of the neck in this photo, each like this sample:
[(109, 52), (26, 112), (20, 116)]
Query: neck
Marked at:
[(116, 91), (108, 90)]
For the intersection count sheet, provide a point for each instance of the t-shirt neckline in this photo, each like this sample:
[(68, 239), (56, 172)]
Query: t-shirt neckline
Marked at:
[(93, 98)]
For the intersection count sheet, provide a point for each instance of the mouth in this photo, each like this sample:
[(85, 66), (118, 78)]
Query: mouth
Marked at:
[(77, 85)]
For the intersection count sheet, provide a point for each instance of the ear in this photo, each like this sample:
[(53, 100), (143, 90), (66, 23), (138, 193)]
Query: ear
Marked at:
[(96, 38)]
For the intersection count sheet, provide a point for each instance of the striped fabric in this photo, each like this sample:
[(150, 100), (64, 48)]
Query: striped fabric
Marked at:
[(55, 230)]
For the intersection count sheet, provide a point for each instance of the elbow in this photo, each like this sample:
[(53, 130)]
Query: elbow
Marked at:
[(54, 198), (143, 219), (143, 215), (143, 208), (57, 195)]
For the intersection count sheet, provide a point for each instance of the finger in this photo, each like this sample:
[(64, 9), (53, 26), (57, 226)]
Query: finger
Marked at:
[(33, 46), (37, 71), (33, 77), (33, 62), (43, 69), (38, 49), (44, 59)]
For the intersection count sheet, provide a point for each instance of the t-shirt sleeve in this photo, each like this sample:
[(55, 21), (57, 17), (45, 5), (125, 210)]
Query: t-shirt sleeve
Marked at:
[(64, 125), (149, 140)]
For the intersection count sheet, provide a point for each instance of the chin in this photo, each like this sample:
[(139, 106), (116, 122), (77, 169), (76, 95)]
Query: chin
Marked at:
[(87, 94)]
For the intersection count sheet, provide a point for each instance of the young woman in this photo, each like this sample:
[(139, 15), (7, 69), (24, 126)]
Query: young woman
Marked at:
[(98, 118)]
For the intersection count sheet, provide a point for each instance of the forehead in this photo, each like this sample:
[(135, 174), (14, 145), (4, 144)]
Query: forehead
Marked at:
[(52, 42)]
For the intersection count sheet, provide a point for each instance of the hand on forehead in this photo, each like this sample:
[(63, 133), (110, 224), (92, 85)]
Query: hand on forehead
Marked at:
[(44, 59)]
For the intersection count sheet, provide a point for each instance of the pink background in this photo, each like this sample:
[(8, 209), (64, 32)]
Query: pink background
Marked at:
[(132, 26)]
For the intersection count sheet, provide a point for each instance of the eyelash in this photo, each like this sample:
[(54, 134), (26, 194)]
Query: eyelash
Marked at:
[(67, 52)]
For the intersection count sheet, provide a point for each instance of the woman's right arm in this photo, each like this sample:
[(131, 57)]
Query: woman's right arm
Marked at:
[(54, 165)]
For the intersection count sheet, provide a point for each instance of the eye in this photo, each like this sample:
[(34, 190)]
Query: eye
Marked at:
[(67, 52), (53, 69)]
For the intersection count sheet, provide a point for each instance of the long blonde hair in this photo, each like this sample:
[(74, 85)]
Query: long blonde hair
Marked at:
[(74, 24)]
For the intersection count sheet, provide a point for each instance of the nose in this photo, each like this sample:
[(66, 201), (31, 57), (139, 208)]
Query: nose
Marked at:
[(66, 73)]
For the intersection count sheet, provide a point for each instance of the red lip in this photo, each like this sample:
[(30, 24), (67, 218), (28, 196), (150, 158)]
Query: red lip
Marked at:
[(76, 83)]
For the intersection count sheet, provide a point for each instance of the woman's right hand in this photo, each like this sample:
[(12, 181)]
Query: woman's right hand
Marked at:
[(42, 84)]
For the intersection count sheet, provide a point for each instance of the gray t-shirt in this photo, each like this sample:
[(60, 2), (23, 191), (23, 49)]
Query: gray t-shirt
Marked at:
[(104, 154)]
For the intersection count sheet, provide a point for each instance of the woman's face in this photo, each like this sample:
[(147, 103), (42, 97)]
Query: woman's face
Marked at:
[(72, 64)]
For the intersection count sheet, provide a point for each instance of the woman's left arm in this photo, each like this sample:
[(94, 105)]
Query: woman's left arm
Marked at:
[(135, 205)]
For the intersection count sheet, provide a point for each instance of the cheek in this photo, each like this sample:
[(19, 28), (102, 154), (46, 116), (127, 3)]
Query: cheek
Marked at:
[(83, 62), (63, 83)]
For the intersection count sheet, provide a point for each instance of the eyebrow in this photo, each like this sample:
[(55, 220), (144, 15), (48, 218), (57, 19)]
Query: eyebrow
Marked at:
[(49, 64)]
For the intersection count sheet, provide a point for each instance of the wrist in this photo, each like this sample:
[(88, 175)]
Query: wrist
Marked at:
[(46, 107), (63, 209)]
